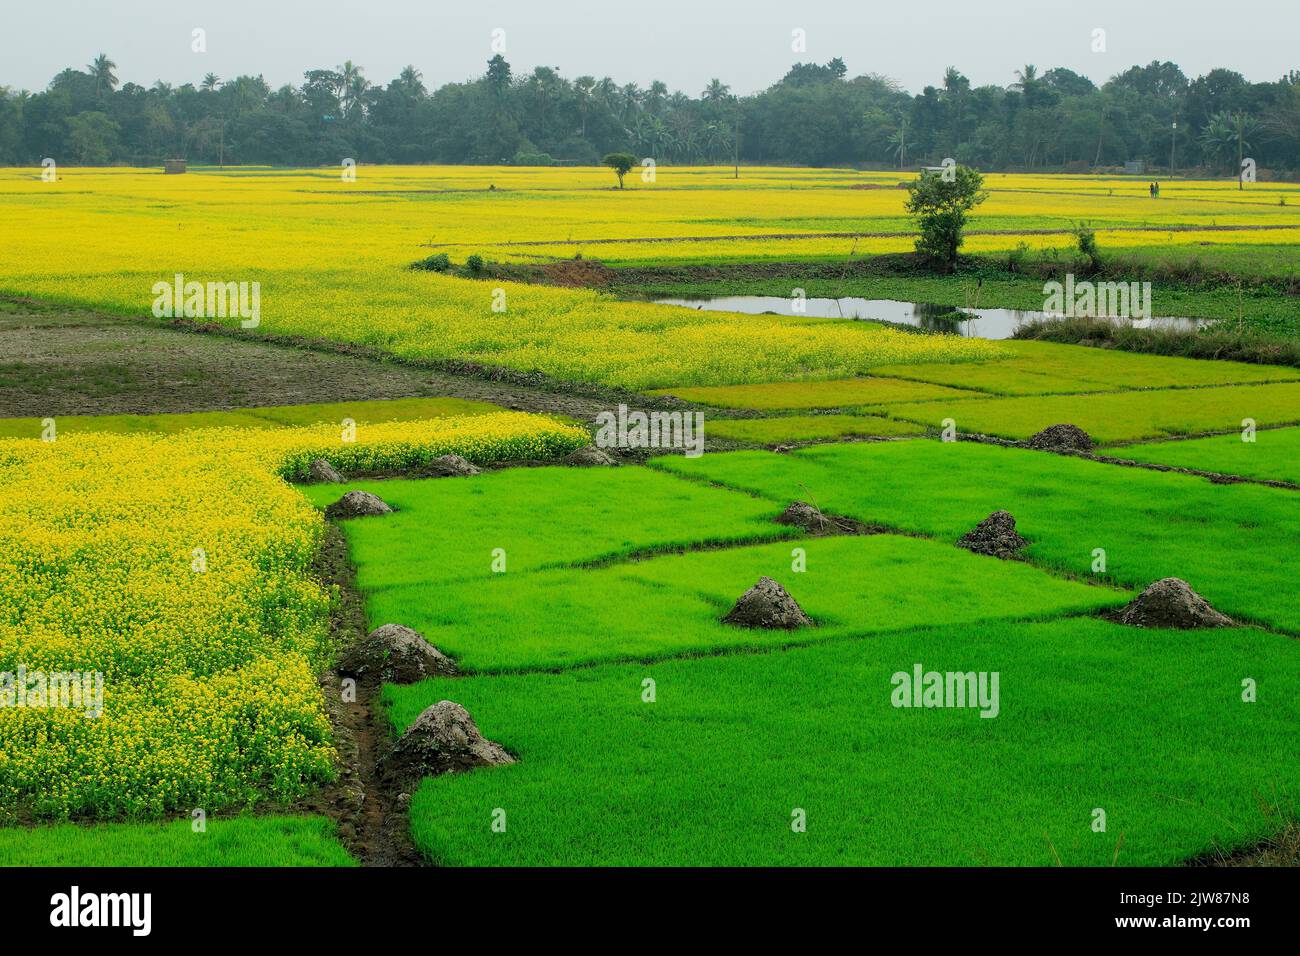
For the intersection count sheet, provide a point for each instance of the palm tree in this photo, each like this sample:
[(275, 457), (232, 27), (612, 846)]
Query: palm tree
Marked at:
[(209, 84), (352, 87), (101, 68), (651, 135), (584, 86), (410, 81), (715, 139), (1102, 117), (716, 91), (631, 97), (1026, 78), (898, 140), (1027, 83), (655, 95), (1225, 135)]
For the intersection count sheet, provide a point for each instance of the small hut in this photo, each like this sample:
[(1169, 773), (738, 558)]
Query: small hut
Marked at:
[(173, 166)]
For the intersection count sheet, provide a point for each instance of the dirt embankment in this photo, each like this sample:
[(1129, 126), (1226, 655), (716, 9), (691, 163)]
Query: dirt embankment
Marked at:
[(372, 822)]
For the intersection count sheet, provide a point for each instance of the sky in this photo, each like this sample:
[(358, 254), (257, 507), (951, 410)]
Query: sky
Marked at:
[(685, 43)]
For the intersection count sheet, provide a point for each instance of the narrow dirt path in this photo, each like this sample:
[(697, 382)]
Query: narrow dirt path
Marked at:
[(372, 820)]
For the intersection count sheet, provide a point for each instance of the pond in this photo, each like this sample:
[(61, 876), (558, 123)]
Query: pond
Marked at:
[(973, 323)]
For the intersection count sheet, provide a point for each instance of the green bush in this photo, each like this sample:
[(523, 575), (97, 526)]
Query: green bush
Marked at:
[(434, 263), (939, 206), (1087, 240), (527, 158)]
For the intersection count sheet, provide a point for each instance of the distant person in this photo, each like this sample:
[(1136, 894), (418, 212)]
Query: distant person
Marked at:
[(1151, 188)]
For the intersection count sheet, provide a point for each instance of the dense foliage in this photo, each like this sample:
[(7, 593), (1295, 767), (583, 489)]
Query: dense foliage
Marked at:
[(815, 115)]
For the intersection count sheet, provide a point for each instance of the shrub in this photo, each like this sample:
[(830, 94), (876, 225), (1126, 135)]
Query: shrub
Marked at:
[(1087, 240), (434, 263), (1017, 257), (531, 158)]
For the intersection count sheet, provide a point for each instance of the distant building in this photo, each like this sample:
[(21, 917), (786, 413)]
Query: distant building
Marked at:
[(1135, 167), (173, 166)]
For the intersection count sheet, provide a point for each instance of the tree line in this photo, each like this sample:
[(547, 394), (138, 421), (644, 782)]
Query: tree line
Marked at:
[(816, 115)]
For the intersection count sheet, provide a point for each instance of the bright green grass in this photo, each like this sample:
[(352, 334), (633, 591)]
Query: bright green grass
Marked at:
[(366, 412), (1116, 417), (447, 529), (1043, 368), (1273, 455), (837, 393), (673, 605), (238, 841), (793, 428), (1148, 725), (1235, 544)]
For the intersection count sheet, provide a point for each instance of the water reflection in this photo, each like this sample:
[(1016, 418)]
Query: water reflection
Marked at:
[(972, 323)]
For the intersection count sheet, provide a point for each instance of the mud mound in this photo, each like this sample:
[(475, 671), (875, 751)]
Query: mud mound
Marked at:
[(1062, 438), (358, 504), (578, 273), (395, 655), (800, 514), (1171, 602), (768, 605), (322, 471), (450, 466), (589, 456), (995, 535), (443, 739)]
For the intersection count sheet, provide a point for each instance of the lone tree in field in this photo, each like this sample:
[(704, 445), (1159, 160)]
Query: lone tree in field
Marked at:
[(620, 163), (939, 202)]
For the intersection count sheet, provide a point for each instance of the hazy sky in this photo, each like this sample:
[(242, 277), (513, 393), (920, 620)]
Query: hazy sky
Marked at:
[(682, 42)]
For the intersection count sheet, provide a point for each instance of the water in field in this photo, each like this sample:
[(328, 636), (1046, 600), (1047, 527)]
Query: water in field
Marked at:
[(973, 323)]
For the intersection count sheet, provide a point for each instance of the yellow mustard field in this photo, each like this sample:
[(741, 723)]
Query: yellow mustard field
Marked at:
[(330, 255), (175, 571)]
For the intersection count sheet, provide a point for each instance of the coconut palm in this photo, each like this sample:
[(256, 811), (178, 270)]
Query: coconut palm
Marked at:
[(209, 84), (1026, 79), (656, 95), (898, 140), (1226, 137), (410, 81), (101, 68), (716, 91), (352, 87), (584, 86)]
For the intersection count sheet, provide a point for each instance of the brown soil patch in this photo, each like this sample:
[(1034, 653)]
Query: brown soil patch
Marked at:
[(58, 361), (578, 273)]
